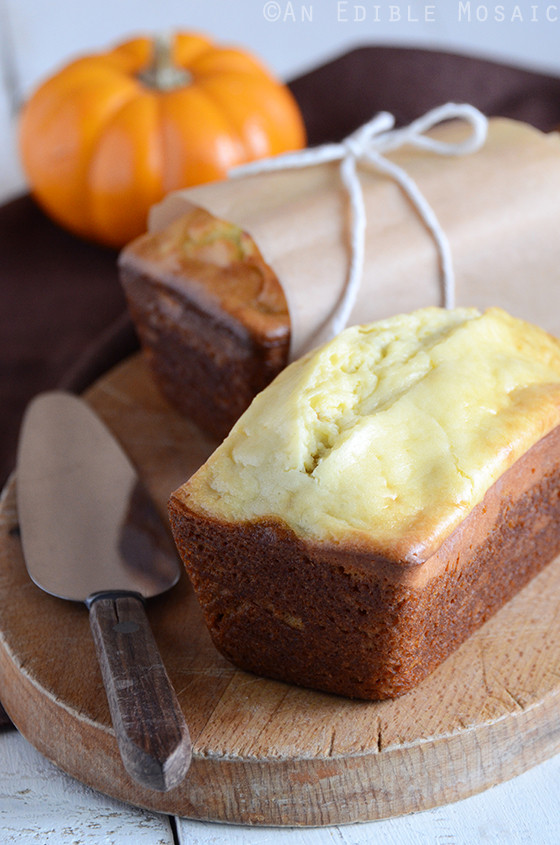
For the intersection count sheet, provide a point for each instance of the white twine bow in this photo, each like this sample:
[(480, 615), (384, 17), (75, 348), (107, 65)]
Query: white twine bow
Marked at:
[(367, 146)]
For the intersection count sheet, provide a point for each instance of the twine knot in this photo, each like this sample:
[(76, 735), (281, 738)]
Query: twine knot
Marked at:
[(367, 146)]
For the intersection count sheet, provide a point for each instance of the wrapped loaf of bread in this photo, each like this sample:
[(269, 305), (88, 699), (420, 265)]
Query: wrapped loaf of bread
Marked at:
[(377, 502), (235, 278)]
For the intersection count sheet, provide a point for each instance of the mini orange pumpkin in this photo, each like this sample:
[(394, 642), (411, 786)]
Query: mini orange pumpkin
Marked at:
[(110, 134)]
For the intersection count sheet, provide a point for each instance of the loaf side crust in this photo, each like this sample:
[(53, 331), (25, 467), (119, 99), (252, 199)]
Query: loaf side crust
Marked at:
[(337, 619)]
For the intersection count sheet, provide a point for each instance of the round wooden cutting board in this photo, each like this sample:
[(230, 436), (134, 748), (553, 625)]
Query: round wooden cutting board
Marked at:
[(266, 752)]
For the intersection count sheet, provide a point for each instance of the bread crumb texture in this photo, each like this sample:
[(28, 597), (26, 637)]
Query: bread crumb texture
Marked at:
[(391, 432)]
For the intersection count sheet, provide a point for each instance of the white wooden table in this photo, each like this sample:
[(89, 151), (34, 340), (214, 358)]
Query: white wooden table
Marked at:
[(40, 804)]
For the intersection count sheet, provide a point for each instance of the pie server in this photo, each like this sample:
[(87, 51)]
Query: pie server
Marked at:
[(91, 533)]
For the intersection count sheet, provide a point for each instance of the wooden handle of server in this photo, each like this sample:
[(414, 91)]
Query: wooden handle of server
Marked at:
[(150, 728)]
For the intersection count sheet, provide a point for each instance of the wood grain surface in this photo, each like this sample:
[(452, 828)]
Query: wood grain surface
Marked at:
[(266, 752)]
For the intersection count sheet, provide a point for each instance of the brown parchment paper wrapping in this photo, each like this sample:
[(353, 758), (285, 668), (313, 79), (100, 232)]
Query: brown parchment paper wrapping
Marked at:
[(499, 207)]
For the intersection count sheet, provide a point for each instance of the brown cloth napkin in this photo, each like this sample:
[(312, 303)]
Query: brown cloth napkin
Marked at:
[(63, 318), (341, 95)]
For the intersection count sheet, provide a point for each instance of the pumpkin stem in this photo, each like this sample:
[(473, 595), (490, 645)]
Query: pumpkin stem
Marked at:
[(162, 74)]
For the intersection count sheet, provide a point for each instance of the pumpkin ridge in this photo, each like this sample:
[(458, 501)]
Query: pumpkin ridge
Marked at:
[(163, 145), (192, 106), (229, 61), (222, 104), (80, 191), (183, 42), (79, 75), (112, 117), (224, 113)]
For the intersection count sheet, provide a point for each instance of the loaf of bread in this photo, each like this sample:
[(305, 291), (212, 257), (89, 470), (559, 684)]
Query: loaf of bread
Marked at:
[(211, 316), (376, 503)]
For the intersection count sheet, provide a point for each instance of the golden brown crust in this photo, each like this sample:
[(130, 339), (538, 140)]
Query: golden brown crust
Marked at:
[(361, 625), (210, 314), (215, 261)]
